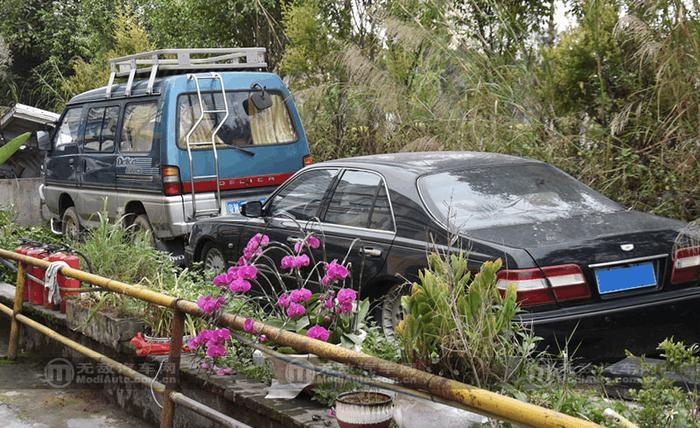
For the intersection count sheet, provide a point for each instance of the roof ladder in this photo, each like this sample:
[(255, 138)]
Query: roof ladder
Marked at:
[(213, 77)]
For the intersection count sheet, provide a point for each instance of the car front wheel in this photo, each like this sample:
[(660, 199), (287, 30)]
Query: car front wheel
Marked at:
[(213, 258)]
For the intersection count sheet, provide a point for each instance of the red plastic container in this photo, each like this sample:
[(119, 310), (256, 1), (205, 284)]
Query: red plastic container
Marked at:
[(73, 261), (25, 292), (36, 290)]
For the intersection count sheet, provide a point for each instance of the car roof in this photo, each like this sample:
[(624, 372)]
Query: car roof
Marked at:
[(419, 163)]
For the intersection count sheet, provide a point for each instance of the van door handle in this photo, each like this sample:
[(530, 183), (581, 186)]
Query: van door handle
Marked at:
[(371, 252), (294, 239)]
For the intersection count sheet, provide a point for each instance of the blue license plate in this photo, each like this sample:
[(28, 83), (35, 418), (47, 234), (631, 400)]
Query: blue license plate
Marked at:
[(622, 278), (234, 207)]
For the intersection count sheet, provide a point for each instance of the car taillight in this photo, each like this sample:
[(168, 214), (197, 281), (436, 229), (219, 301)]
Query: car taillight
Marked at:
[(308, 160), (171, 180), (567, 283), (686, 265)]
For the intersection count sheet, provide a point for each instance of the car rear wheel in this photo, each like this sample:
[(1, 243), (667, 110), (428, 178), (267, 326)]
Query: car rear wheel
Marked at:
[(388, 311), (70, 224), (141, 224), (213, 258)]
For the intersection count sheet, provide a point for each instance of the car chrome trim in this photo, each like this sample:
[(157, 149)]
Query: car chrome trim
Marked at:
[(626, 261)]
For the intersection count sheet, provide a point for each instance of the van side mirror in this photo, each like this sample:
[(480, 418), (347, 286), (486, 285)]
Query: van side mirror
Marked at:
[(252, 209), (43, 141)]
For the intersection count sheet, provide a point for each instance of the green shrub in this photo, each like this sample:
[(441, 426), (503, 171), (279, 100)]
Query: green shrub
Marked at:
[(129, 256), (460, 326)]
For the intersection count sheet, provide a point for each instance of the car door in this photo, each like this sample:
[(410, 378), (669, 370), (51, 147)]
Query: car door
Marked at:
[(98, 157), (293, 211), (62, 162), (358, 224)]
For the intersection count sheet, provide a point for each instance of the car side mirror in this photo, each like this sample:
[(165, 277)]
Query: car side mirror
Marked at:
[(252, 209), (43, 141)]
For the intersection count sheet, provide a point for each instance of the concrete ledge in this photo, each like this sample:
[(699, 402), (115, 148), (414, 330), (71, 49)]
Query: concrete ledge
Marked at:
[(23, 194), (236, 395)]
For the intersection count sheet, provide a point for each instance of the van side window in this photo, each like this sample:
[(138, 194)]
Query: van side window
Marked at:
[(138, 127), (67, 134), (100, 127)]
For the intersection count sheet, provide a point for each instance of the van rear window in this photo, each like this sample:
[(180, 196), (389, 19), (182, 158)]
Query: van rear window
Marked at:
[(245, 125)]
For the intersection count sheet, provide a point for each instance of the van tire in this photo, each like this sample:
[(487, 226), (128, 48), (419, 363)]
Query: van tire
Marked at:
[(141, 223), (213, 257), (70, 225)]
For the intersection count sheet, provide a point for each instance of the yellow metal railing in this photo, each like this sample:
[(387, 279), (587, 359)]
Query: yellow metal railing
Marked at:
[(461, 395)]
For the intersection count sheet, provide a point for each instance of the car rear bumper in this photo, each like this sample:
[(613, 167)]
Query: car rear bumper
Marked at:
[(605, 330)]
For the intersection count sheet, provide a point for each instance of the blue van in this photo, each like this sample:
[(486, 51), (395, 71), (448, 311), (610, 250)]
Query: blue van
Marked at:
[(203, 132)]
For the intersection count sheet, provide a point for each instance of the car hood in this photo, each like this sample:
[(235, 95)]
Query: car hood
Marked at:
[(576, 229)]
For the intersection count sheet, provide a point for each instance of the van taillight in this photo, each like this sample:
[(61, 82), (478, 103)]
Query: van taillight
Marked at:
[(308, 160), (686, 265), (171, 180), (567, 283)]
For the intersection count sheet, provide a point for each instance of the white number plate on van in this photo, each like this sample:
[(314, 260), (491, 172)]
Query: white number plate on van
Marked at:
[(234, 207)]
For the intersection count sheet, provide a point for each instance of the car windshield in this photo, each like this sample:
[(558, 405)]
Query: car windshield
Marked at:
[(244, 126), (508, 195)]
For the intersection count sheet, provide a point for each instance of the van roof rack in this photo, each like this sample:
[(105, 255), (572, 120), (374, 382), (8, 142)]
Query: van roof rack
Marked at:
[(182, 60)]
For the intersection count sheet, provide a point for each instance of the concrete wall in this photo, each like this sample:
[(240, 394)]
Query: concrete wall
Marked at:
[(23, 194)]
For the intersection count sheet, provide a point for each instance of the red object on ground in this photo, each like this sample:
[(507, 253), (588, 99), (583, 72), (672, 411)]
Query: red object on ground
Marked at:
[(25, 292), (36, 290), (63, 282), (144, 347)]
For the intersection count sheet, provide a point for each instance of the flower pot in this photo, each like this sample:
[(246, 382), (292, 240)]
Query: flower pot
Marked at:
[(104, 327), (364, 409), (288, 373)]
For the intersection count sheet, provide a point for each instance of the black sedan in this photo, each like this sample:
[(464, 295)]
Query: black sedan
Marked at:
[(580, 261)]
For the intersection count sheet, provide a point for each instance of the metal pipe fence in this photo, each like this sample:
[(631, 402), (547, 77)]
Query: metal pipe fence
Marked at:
[(424, 384)]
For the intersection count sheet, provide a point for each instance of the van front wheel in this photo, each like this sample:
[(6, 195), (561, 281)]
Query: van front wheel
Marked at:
[(70, 224)]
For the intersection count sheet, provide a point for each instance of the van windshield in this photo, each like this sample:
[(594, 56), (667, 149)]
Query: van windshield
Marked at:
[(245, 125)]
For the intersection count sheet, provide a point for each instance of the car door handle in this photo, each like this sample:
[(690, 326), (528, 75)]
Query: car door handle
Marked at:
[(294, 239), (371, 252)]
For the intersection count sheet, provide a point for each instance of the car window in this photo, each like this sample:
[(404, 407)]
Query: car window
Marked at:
[(109, 128), (302, 197), (100, 127), (508, 195), (67, 134), (138, 127), (244, 126), (360, 200)]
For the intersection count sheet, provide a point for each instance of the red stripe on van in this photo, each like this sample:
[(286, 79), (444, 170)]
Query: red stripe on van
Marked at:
[(237, 183)]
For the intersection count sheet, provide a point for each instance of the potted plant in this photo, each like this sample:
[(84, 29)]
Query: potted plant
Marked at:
[(333, 314), (364, 409)]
